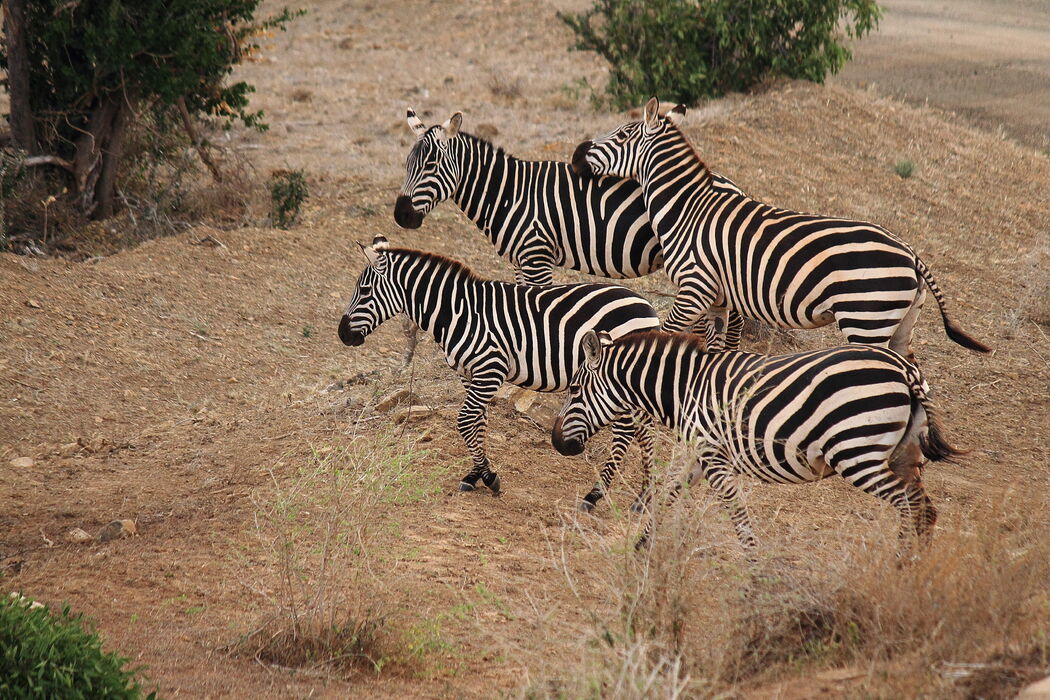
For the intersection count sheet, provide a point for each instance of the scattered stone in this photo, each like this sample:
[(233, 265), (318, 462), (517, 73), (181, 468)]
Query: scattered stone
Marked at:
[(117, 529), (78, 536), (22, 462), (523, 403), (412, 413), (425, 436), (397, 398), (33, 604), (33, 304)]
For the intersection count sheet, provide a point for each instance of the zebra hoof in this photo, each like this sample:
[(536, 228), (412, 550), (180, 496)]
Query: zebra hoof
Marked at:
[(585, 506), (466, 486), (492, 481)]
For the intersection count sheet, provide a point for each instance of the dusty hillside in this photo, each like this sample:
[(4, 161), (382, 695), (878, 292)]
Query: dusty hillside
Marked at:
[(168, 382)]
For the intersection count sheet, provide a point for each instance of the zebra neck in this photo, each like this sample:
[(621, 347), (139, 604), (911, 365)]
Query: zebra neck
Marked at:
[(489, 180), (435, 293), (672, 176), (659, 389)]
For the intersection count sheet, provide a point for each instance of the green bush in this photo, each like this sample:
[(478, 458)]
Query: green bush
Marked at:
[(288, 191), (52, 656), (684, 50)]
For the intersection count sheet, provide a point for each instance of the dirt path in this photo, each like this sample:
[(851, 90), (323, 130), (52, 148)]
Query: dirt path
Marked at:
[(167, 382), (988, 61)]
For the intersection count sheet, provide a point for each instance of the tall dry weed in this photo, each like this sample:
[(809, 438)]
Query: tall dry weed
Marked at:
[(326, 533)]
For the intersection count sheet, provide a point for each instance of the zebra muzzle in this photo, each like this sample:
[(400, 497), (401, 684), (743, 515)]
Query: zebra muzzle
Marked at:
[(405, 215), (568, 447), (580, 166), (350, 337)]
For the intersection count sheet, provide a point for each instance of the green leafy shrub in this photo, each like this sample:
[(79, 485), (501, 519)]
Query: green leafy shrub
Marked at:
[(684, 50), (45, 655), (288, 191), (904, 168)]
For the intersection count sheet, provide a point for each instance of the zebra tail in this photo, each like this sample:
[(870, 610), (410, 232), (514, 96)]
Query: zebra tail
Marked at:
[(932, 442), (954, 331)]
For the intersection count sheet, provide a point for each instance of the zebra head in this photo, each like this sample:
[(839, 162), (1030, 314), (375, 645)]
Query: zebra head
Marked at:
[(432, 175), (620, 152), (589, 407), (376, 297)]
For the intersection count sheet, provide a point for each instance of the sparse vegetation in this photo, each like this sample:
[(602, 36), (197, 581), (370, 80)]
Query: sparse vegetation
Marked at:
[(904, 168), (83, 78), (58, 655), (325, 532), (288, 192), (683, 50)]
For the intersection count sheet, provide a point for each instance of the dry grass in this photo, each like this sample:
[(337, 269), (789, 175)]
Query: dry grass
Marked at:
[(970, 615), (326, 533)]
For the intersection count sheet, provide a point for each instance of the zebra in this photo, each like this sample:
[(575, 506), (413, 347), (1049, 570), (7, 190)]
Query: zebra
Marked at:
[(727, 252), (538, 214), (861, 412), (494, 332)]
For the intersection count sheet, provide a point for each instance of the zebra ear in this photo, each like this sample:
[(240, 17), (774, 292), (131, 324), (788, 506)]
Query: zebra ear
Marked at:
[(652, 112), (676, 114), (372, 255), (380, 242), (451, 127), (592, 349), (418, 127)]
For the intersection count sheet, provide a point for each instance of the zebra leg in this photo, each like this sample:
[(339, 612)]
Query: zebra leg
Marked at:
[(908, 496), (471, 425), (624, 431), (723, 480), (733, 330), (687, 311), (644, 541), (900, 341), (644, 435), (715, 333)]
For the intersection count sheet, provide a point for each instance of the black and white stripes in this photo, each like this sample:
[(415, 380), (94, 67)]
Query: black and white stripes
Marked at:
[(729, 254), (495, 332), (860, 412), (538, 214)]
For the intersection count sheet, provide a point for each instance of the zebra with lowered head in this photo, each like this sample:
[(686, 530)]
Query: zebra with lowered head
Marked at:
[(494, 332), (729, 253), (863, 413), (538, 214)]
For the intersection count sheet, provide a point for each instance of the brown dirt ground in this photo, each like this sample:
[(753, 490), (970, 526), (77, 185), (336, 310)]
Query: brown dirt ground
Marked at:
[(183, 369)]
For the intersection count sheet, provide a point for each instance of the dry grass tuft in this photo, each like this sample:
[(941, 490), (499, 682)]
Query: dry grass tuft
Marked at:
[(505, 87), (971, 614), (324, 531)]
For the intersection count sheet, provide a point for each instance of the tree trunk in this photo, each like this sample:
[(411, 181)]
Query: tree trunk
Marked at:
[(22, 132), (90, 148), (111, 153)]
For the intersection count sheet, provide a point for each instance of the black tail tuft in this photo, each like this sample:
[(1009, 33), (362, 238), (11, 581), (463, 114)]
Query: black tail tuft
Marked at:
[(933, 444), (963, 338)]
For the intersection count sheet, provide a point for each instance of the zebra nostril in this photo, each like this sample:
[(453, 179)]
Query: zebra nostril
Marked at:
[(405, 215), (580, 166), (349, 337)]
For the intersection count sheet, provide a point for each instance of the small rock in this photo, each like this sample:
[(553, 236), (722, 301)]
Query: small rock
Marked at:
[(33, 304), (524, 402), (33, 604), (77, 536), (117, 529), (397, 398), (412, 413), (22, 462)]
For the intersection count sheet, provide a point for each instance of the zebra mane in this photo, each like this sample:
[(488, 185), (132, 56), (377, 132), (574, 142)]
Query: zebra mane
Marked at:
[(435, 259), (689, 142), (656, 336)]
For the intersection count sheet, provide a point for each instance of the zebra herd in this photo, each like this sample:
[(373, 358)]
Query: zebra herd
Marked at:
[(629, 203)]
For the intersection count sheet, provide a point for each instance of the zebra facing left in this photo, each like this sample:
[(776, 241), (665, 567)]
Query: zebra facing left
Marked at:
[(494, 332), (539, 214), (861, 412)]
